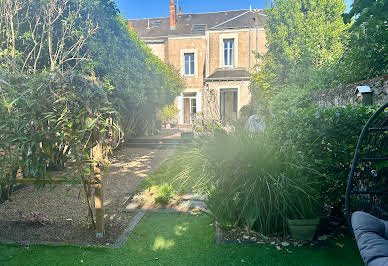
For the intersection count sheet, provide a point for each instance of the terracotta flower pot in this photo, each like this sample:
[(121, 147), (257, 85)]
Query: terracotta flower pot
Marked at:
[(303, 229)]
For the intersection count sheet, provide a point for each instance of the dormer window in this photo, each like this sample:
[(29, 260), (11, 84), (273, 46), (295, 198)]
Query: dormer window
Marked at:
[(156, 23), (199, 27), (228, 52)]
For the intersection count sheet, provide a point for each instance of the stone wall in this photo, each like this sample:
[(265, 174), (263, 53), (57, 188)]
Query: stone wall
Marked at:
[(345, 94)]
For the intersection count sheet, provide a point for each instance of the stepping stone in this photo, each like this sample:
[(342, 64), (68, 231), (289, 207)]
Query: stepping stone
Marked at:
[(132, 205), (194, 196), (185, 205), (191, 205), (197, 205)]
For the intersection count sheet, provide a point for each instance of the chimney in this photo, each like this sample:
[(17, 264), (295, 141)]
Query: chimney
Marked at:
[(172, 15)]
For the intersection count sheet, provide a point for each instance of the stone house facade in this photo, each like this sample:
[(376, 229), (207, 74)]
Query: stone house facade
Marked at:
[(214, 52)]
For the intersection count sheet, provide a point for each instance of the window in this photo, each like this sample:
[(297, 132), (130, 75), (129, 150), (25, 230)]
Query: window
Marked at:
[(194, 106), (199, 27), (228, 105), (189, 64), (228, 52), (156, 24)]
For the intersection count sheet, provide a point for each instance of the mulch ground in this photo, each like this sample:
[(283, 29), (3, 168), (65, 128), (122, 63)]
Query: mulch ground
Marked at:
[(66, 208), (241, 236), (145, 201)]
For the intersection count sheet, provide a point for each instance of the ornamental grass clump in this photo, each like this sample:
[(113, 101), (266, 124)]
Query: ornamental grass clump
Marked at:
[(250, 182)]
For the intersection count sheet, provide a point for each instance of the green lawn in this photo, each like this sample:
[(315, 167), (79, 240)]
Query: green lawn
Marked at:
[(169, 171), (178, 239)]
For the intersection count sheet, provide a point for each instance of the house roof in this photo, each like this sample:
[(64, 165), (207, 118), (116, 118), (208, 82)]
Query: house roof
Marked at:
[(229, 74), (159, 28)]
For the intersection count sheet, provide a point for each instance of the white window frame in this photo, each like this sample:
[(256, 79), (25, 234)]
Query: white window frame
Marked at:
[(228, 60), (231, 87), (191, 71), (224, 37), (182, 55)]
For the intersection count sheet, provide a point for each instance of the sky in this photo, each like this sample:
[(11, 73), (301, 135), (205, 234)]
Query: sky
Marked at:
[(133, 9)]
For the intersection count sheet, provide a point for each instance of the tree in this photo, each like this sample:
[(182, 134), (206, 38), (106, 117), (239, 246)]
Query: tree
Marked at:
[(367, 50), (38, 35), (90, 37), (70, 71), (304, 39), (140, 82)]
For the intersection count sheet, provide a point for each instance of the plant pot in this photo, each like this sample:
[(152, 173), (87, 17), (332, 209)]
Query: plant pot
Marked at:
[(303, 229)]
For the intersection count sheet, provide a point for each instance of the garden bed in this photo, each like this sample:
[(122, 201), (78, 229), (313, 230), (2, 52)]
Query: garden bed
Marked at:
[(145, 201), (241, 236), (66, 210)]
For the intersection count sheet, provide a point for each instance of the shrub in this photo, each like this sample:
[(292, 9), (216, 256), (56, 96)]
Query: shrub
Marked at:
[(168, 113), (246, 111), (49, 119), (165, 195), (327, 137), (291, 98), (207, 126), (249, 182)]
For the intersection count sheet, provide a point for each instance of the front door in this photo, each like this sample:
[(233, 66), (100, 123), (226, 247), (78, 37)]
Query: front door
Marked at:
[(228, 105), (189, 107)]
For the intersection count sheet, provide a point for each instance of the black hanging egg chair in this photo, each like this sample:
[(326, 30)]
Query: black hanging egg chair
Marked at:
[(367, 188)]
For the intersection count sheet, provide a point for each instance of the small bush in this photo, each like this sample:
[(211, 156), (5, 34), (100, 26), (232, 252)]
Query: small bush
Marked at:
[(249, 182), (168, 113), (246, 111), (327, 137), (165, 195), (290, 99)]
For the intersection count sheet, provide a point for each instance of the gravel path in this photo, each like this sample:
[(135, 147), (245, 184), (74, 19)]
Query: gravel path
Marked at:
[(67, 210)]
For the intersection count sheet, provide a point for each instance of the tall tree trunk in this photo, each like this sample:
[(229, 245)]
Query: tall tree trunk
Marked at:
[(50, 46)]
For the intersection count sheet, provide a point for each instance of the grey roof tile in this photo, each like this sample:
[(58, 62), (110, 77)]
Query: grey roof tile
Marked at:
[(245, 20), (159, 28), (226, 74)]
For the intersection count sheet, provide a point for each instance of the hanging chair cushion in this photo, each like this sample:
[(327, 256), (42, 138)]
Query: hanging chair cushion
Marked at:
[(372, 238)]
